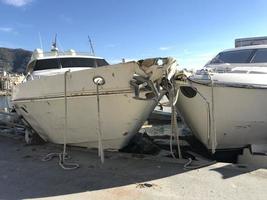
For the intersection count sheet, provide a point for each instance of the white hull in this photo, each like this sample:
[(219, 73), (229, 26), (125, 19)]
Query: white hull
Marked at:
[(121, 117), (238, 117), (41, 103)]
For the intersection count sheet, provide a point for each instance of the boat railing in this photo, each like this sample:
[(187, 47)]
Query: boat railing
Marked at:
[(40, 54)]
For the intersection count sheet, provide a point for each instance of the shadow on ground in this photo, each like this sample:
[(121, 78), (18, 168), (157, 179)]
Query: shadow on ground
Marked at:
[(230, 171), (24, 175)]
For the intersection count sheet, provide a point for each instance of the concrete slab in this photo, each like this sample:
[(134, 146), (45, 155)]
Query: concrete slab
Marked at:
[(24, 176)]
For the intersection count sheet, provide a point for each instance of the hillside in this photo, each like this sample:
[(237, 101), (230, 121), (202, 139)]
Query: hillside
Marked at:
[(14, 60)]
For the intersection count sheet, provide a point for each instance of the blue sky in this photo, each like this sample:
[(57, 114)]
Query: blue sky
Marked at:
[(192, 31)]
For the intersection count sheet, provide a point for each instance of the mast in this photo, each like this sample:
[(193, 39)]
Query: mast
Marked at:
[(91, 46)]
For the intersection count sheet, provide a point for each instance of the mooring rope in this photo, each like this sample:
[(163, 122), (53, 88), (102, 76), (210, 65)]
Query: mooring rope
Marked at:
[(174, 127), (62, 160), (65, 113), (214, 139), (98, 80), (63, 156), (99, 130), (190, 161), (176, 92)]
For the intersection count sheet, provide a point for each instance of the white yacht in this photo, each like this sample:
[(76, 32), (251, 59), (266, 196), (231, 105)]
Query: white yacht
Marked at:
[(68, 97), (225, 104)]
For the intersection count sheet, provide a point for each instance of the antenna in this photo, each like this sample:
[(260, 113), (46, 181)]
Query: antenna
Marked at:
[(91, 46), (40, 40), (54, 44)]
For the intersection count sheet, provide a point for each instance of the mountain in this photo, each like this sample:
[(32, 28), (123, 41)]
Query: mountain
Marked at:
[(14, 60)]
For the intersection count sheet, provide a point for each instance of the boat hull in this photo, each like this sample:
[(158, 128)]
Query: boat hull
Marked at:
[(237, 118), (41, 103), (120, 115)]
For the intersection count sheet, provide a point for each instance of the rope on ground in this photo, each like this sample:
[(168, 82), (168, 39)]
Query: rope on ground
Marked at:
[(190, 161), (62, 160)]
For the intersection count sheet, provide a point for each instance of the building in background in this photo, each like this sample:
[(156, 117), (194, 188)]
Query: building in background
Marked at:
[(8, 81)]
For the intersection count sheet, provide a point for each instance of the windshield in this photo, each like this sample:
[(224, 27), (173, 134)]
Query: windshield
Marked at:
[(56, 63), (237, 56), (260, 56)]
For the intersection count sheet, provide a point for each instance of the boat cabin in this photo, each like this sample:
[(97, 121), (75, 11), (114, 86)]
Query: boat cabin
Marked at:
[(58, 60)]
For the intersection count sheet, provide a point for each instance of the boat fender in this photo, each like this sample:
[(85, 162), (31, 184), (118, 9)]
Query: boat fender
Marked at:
[(188, 91)]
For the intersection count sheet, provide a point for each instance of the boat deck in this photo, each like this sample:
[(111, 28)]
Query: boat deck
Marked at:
[(122, 176)]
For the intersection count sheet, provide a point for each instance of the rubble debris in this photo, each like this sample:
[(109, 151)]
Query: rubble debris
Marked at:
[(141, 143)]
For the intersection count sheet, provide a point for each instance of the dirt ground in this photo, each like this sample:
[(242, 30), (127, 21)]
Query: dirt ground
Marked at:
[(23, 175)]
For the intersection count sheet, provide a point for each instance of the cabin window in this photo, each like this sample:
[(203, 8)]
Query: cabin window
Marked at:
[(47, 64), (82, 62), (56, 63), (260, 56), (237, 56)]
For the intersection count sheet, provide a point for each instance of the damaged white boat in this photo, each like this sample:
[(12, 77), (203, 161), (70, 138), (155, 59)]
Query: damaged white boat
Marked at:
[(225, 104), (69, 96)]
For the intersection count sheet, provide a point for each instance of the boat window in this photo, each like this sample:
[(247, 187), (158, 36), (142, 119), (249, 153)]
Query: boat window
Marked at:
[(260, 56), (47, 64), (82, 62), (56, 63), (237, 56)]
